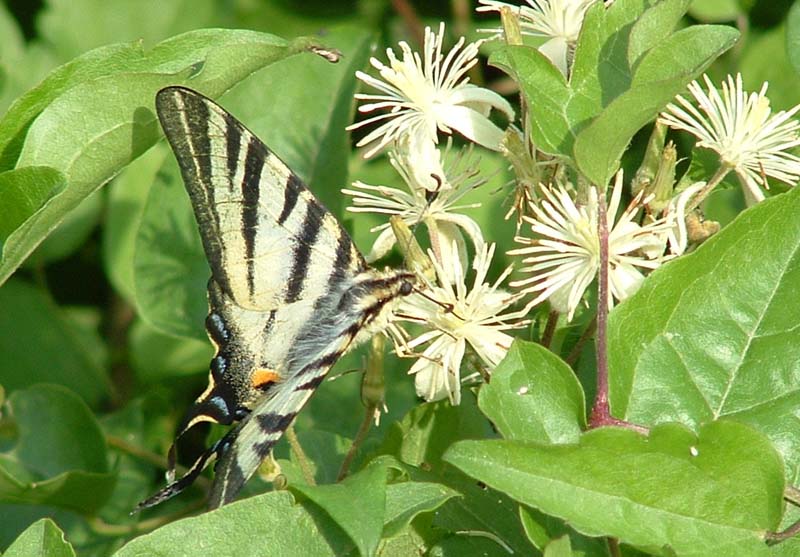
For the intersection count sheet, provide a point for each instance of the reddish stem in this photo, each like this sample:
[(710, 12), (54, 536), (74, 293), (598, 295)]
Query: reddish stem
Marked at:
[(406, 11), (601, 413), (549, 329)]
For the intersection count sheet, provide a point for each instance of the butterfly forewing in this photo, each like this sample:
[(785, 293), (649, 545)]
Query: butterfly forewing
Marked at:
[(251, 209)]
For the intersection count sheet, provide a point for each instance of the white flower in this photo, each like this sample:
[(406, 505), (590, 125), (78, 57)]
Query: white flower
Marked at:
[(433, 201), (430, 93), (457, 317), (565, 258), (741, 128), (558, 20)]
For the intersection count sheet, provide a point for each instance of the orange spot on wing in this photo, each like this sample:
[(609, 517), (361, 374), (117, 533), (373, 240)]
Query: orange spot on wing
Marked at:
[(262, 378)]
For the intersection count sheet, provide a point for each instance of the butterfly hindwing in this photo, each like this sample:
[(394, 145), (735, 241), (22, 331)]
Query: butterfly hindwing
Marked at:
[(288, 295)]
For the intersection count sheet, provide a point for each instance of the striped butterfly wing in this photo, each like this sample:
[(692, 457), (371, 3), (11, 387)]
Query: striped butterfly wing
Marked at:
[(284, 294)]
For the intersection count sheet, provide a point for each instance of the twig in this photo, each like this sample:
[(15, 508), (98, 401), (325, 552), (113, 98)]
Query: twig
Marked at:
[(149, 457), (613, 547), (406, 11), (103, 528), (300, 455), (549, 329), (792, 494), (773, 538), (363, 429), (578, 348)]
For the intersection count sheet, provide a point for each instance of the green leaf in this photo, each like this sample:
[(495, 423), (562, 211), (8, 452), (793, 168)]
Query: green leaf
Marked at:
[(75, 26), (793, 37), (126, 201), (52, 352), (541, 529), (662, 73), (715, 11), (357, 504), (22, 191), (90, 147), (429, 429), (626, 68), (712, 494), (60, 457), (780, 73), (266, 523), (42, 539), (716, 333), (534, 396), (559, 548), (406, 500), (420, 439), (71, 233), (168, 260), (156, 356), (299, 108)]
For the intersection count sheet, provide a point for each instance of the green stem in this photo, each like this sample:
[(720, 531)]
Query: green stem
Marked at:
[(300, 455), (149, 457), (363, 429), (103, 528), (700, 196)]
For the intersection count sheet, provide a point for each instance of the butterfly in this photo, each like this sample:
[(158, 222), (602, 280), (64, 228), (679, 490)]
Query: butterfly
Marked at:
[(289, 292)]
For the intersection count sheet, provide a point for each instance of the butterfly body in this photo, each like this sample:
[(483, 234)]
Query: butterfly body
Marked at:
[(289, 292)]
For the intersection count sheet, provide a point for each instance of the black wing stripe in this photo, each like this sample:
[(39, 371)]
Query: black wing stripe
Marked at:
[(272, 423), (302, 251), (253, 165), (233, 144), (311, 384), (290, 195)]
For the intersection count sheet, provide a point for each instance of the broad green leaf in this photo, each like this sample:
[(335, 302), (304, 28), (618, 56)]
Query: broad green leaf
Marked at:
[(299, 108), (357, 504), (625, 70), (42, 539), (52, 350), (534, 396), (168, 260), (126, 201), (781, 74), (89, 148), (71, 233), (270, 523), (406, 500), (73, 27), (408, 542), (92, 65), (60, 456), (22, 191), (793, 37), (325, 451), (429, 429), (712, 494), (717, 333), (542, 528), (156, 356), (659, 76), (420, 439), (715, 11), (559, 548)]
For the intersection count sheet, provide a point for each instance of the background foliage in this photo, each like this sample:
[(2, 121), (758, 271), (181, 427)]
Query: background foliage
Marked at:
[(102, 305)]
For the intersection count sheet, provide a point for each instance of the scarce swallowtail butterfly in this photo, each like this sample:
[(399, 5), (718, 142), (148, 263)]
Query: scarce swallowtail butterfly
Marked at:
[(289, 292)]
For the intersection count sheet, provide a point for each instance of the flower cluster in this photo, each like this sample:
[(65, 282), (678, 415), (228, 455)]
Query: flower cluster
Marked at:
[(573, 232)]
